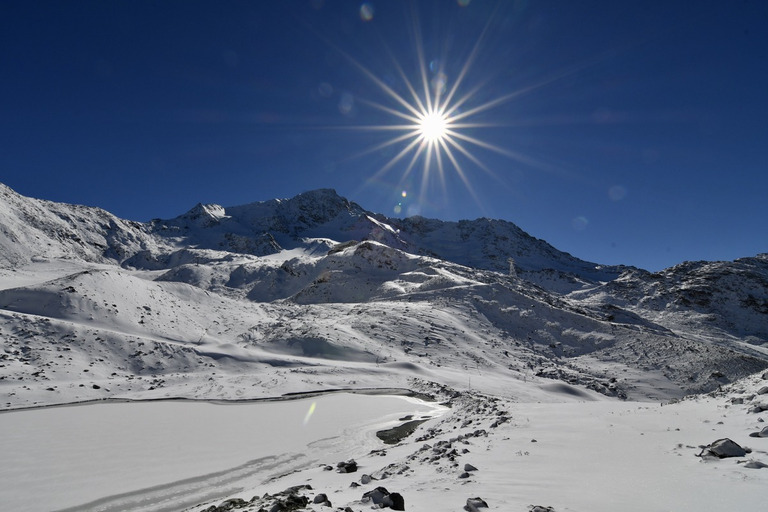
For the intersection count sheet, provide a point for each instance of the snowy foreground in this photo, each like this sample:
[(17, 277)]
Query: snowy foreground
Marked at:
[(583, 452)]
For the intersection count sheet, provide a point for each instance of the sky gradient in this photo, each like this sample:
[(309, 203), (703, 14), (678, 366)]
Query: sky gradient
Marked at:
[(628, 132)]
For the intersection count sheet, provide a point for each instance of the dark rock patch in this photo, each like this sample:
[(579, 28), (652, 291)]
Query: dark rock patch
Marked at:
[(349, 466), (474, 504), (396, 434), (723, 448)]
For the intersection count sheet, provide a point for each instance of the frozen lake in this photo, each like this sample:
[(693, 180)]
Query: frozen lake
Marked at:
[(167, 455)]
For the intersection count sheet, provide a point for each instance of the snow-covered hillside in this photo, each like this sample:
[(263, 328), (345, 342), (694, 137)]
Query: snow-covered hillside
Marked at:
[(315, 293)]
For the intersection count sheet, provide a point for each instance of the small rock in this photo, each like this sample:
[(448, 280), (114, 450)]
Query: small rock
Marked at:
[(395, 501), (376, 495), (469, 467), (763, 390), (320, 498), (539, 508), (464, 475), (365, 479), (349, 466), (762, 433), (473, 504), (755, 464)]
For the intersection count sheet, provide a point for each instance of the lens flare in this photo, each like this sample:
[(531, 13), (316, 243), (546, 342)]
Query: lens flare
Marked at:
[(310, 412)]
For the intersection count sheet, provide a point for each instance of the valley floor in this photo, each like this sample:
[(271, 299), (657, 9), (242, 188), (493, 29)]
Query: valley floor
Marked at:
[(572, 452)]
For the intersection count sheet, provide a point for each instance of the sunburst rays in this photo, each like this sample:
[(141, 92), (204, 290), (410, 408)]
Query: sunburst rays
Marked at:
[(435, 119)]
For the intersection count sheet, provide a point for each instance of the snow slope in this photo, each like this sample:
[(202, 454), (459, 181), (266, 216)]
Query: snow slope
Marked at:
[(315, 293)]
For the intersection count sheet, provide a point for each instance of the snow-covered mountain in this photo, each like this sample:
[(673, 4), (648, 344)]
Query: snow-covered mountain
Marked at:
[(315, 293), (316, 283)]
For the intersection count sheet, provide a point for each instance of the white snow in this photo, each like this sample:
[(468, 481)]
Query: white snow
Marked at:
[(61, 457)]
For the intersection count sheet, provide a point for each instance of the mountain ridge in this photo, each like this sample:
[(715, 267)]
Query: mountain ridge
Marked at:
[(294, 294)]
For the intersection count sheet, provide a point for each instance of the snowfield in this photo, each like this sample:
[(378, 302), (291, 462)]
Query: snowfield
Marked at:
[(159, 454), (551, 381)]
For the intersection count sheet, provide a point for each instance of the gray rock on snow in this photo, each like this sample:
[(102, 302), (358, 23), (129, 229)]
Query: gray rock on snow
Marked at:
[(349, 466), (762, 433), (376, 495), (469, 467), (322, 499), (384, 499), (474, 504), (722, 448)]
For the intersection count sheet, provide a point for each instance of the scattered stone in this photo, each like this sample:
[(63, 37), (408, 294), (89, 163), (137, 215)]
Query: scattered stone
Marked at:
[(349, 466), (755, 464), (762, 433), (354, 484), (365, 479), (227, 505), (722, 448), (473, 504), (376, 495), (539, 508), (321, 499), (396, 501), (383, 498), (464, 475), (287, 501), (763, 390), (469, 467)]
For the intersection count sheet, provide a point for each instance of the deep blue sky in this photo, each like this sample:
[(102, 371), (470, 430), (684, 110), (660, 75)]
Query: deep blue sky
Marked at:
[(642, 130)]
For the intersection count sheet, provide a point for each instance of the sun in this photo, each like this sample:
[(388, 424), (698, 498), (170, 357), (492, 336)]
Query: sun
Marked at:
[(437, 116), (433, 126)]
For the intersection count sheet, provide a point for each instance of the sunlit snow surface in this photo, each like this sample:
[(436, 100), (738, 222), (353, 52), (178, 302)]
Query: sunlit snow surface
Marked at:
[(61, 457)]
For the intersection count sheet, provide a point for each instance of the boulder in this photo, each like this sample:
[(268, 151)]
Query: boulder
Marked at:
[(349, 466), (395, 501), (474, 504), (723, 448), (321, 499), (376, 495), (383, 498)]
